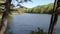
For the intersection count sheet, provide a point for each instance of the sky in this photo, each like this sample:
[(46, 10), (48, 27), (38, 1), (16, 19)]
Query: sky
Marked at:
[(34, 3)]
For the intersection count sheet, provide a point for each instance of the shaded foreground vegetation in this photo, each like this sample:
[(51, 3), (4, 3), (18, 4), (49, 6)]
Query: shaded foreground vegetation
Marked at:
[(38, 31)]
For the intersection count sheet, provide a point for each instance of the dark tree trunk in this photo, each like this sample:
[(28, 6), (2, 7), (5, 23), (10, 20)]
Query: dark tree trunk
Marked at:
[(4, 17), (54, 18)]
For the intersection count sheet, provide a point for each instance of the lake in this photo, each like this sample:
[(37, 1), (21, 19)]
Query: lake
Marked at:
[(25, 23)]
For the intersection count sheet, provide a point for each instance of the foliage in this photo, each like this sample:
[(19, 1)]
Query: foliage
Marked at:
[(2, 5), (38, 9), (38, 31), (41, 9), (5, 8)]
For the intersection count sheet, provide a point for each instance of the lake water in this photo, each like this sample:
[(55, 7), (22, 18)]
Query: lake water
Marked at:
[(25, 23)]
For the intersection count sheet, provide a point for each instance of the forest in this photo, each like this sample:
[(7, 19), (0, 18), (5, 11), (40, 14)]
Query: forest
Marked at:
[(39, 9)]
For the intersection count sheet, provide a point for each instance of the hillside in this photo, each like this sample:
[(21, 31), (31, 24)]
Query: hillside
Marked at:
[(40, 9)]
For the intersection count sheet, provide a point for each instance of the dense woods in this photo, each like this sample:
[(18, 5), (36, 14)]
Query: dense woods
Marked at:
[(39, 9), (47, 9)]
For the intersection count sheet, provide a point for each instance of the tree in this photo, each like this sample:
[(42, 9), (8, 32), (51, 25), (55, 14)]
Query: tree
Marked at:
[(54, 17), (5, 14)]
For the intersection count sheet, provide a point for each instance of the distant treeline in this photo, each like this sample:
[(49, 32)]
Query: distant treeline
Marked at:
[(41, 9)]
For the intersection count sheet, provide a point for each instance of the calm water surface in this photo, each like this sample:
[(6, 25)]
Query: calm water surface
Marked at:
[(25, 23)]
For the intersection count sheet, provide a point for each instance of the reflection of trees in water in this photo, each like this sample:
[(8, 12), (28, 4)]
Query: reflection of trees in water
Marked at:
[(8, 29), (10, 18)]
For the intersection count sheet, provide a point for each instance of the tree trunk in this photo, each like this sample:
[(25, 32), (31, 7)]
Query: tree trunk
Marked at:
[(4, 17), (54, 18)]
